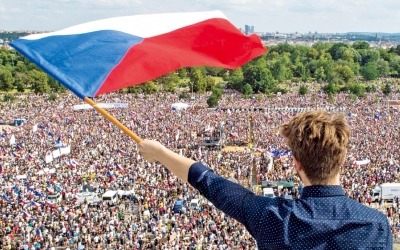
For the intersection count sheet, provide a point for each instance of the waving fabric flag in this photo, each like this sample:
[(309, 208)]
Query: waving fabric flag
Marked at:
[(105, 55), (120, 168)]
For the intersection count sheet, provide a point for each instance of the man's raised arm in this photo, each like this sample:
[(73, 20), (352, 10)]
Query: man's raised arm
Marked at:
[(155, 151)]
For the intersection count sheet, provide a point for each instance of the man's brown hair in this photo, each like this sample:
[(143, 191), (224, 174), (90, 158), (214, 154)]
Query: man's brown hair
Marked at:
[(318, 141)]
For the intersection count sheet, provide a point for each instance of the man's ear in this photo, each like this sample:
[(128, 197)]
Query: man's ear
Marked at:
[(297, 165), (344, 158)]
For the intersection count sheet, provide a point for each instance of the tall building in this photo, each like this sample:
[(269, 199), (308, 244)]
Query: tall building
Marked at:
[(248, 29)]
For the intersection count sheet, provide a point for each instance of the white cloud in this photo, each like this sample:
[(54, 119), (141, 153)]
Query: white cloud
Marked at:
[(265, 15)]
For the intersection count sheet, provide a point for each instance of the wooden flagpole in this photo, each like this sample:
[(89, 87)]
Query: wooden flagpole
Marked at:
[(112, 119)]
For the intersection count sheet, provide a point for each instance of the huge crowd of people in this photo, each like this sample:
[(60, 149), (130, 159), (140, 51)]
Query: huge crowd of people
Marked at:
[(35, 163)]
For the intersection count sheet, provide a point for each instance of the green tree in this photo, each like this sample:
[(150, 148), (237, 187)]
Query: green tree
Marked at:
[(247, 90), (336, 50), (313, 53), (357, 89), (52, 97), (8, 97), (301, 71), (198, 79), (21, 67), (369, 55), (320, 74), (150, 87), (370, 71), (387, 89), (38, 81), (383, 68), (370, 88), (303, 90), (217, 91), (182, 72), (6, 79), (212, 101), (344, 72), (235, 79), (331, 89), (210, 83), (395, 65), (55, 86), (360, 45), (258, 76), (395, 50), (168, 82), (214, 71), (281, 68), (321, 46)]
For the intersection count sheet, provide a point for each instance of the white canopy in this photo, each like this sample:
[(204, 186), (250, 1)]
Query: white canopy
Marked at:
[(363, 162), (179, 106)]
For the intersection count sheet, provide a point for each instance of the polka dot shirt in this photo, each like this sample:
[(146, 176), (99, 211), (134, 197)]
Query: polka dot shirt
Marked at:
[(323, 217)]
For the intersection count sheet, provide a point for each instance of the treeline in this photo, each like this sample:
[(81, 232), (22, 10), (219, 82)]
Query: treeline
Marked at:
[(336, 66), (9, 36)]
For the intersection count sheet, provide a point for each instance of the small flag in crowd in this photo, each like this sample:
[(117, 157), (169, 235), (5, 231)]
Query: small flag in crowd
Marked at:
[(120, 168), (35, 204), (39, 233), (37, 193), (30, 157), (121, 152), (22, 201), (6, 198), (18, 147), (73, 163), (16, 155), (49, 190), (26, 214)]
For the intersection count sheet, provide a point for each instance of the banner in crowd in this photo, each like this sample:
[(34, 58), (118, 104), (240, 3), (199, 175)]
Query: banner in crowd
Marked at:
[(49, 158), (394, 103), (65, 150), (122, 105), (56, 153), (363, 162), (12, 140)]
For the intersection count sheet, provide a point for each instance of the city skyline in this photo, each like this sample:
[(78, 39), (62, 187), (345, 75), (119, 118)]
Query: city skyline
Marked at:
[(286, 16)]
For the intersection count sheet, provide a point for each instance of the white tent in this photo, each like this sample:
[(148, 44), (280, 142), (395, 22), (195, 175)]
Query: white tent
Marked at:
[(179, 106), (363, 162)]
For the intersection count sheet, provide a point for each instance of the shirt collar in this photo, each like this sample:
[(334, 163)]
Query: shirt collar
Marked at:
[(322, 191)]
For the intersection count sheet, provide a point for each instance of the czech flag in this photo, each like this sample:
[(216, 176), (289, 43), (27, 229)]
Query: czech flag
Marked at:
[(109, 54), (121, 152), (18, 156), (35, 204), (73, 163), (30, 157), (50, 190), (6, 198), (26, 214), (120, 169)]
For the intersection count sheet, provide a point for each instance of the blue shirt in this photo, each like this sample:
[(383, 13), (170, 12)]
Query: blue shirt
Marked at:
[(323, 217)]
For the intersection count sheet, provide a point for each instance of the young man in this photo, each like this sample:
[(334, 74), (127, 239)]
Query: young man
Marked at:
[(323, 217)]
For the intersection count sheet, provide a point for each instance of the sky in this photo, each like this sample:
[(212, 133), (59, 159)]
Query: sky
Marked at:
[(322, 16)]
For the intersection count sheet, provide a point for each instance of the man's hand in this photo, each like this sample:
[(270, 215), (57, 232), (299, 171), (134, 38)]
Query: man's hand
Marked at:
[(149, 150)]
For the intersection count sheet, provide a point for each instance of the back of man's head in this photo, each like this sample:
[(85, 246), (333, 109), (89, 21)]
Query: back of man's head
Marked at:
[(318, 141)]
